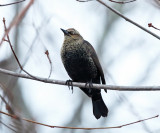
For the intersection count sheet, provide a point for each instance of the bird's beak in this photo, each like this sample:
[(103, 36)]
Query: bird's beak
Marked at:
[(65, 32)]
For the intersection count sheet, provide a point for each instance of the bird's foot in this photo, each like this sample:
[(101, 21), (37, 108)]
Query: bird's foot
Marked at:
[(90, 84), (70, 85)]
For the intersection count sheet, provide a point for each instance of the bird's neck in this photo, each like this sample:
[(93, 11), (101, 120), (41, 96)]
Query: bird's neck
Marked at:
[(73, 42)]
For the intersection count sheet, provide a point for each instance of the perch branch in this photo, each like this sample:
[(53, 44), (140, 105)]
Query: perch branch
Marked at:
[(77, 84)]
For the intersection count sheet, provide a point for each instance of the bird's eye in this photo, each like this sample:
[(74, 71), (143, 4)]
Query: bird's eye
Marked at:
[(71, 32)]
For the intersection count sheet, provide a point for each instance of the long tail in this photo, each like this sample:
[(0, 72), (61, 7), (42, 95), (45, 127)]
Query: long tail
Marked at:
[(99, 107)]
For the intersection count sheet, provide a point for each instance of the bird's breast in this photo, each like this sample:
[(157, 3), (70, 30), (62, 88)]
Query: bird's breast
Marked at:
[(78, 63)]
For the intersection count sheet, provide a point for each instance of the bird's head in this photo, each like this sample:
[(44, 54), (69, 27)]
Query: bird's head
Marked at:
[(71, 35)]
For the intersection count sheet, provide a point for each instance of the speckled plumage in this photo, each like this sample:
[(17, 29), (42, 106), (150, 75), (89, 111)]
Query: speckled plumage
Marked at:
[(78, 63), (82, 65)]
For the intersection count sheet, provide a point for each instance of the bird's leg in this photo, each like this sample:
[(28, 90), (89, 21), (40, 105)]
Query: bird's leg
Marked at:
[(90, 84), (69, 83)]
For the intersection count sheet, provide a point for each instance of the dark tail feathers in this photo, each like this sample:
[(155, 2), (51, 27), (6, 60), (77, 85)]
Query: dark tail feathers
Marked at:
[(99, 107)]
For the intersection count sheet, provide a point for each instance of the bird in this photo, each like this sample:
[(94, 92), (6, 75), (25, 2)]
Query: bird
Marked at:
[(82, 65)]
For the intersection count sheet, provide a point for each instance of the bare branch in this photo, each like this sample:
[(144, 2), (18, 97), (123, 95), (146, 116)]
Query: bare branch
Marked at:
[(122, 2), (78, 84), (13, 3), (151, 25), (8, 40), (17, 20), (8, 126), (127, 19), (84, 0), (119, 2), (15, 117), (50, 62), (8, 107)]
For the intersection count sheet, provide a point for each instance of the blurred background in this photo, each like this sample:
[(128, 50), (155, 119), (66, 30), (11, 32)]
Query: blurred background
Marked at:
[(128, 55)]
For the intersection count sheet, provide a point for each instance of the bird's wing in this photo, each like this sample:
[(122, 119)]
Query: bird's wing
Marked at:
[(96, 60)]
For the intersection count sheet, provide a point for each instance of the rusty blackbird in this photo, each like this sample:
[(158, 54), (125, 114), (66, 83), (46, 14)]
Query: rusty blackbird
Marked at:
[(82, 65)]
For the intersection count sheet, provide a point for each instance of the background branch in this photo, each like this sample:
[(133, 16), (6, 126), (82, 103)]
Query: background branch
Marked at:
[(12, 3), (122, 2), (17, 19), (129, 20), (50, 62), (15, 117), (19, 64)]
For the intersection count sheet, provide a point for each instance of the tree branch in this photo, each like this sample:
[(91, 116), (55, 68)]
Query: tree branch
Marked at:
[(8, 40), (50, 62), (17, 20), (15, 117), (77, 84), (151, 25), (127, 19), (122, 2), (114, 1), (12, 3), (84, 0)]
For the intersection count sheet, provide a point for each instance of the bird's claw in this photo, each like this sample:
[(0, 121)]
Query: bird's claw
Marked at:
[(90, 84), (70, 85)]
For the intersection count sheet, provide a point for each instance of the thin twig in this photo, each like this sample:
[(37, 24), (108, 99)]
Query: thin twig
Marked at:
[(38, 31), (13, 116), (151, 25), (8, 107), (77, 84), (17, 20), (119, 2), (122, 2), (8, 40), (13, 3), (50, 62), (8, 126), (84, 0)]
